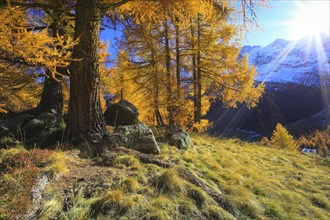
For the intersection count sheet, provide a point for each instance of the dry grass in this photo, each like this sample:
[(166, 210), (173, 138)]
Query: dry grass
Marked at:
[(59, 164), (263, 182), (259, 183), (169, 182), (19, 172)]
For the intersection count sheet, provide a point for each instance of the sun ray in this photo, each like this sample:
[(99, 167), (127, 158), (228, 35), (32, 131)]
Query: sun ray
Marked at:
[(280, 57), (324, 72)]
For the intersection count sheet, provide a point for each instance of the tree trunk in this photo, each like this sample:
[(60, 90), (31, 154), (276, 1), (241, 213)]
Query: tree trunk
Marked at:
[(51, 97), (168, 77), (199, 74), (85, 115), (194, 68), (159, 119), (178, 71)]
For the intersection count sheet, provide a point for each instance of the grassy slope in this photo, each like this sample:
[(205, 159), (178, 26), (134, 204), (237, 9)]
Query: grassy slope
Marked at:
[(259, 183), (263, 182)]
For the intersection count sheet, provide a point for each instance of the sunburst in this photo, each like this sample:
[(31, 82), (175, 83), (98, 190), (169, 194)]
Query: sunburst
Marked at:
[(311, 18)]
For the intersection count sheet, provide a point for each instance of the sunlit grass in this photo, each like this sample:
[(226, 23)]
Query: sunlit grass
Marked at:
[(59, 163), (258, 182), (262, 181), (169, 182)]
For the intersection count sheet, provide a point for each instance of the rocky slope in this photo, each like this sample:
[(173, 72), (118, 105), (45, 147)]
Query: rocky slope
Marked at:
[(305, 62)]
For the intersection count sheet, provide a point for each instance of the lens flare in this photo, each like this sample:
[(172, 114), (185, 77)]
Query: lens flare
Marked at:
[(312, 18)]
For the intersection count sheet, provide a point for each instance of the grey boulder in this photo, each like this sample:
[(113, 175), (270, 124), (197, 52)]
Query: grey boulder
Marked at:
[(179, 137), (121, 113), (137, 137)]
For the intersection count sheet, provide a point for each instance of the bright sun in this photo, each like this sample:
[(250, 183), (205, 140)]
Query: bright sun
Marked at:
[(312, 18)]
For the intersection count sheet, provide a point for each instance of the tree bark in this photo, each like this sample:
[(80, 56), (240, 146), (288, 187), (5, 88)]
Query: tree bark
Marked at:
[(178, 56), (170, 109), (85, 115), (198, 115), (51, 97), (159, 119), (194, 68)]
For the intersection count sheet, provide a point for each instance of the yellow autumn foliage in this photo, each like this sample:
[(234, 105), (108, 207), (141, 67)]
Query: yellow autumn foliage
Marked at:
[(282, 139)]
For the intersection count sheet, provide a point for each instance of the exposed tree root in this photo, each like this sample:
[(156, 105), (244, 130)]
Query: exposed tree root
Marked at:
[(217, 197)]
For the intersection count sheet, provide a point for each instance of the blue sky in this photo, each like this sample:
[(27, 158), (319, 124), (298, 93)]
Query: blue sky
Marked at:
[(282, 18), (286, 19), (272, 22)]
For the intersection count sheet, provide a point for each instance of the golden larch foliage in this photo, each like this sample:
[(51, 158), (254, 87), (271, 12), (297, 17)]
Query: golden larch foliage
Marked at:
[(25, 54), (282, 139)]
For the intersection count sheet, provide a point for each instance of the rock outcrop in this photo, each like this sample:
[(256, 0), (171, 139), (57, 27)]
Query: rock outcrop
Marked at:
[(121, 113), (128, 131), (178, 137), (31, 129), (137, 137)]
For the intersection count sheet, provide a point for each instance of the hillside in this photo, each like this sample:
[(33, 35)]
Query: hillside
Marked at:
[(282, 102), (215, 179), (297, 79)]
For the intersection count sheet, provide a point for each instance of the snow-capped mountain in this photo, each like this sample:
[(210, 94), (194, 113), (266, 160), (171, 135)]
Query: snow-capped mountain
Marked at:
[(306, 61)]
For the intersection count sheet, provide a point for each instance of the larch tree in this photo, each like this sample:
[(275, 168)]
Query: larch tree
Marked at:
[(158, 52), (151, 68), (282, 139), (141, 67), (55, 18), (26, 51), (85, 115), (59, 24), (217, 69)]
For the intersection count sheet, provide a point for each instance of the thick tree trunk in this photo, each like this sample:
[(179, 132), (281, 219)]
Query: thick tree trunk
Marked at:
[(51, 97), (85, 114)]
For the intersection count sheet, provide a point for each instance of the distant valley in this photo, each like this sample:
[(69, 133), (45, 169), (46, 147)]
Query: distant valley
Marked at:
[(297, 79)]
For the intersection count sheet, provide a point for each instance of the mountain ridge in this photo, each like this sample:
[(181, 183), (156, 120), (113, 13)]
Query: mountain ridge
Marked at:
[(306, 61)]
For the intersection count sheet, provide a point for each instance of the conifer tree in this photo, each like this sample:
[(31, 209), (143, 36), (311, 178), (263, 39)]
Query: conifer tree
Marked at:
[(142, 71), (85, 115), (214, 69), (26, 50), (217, 69), (282, 139)]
